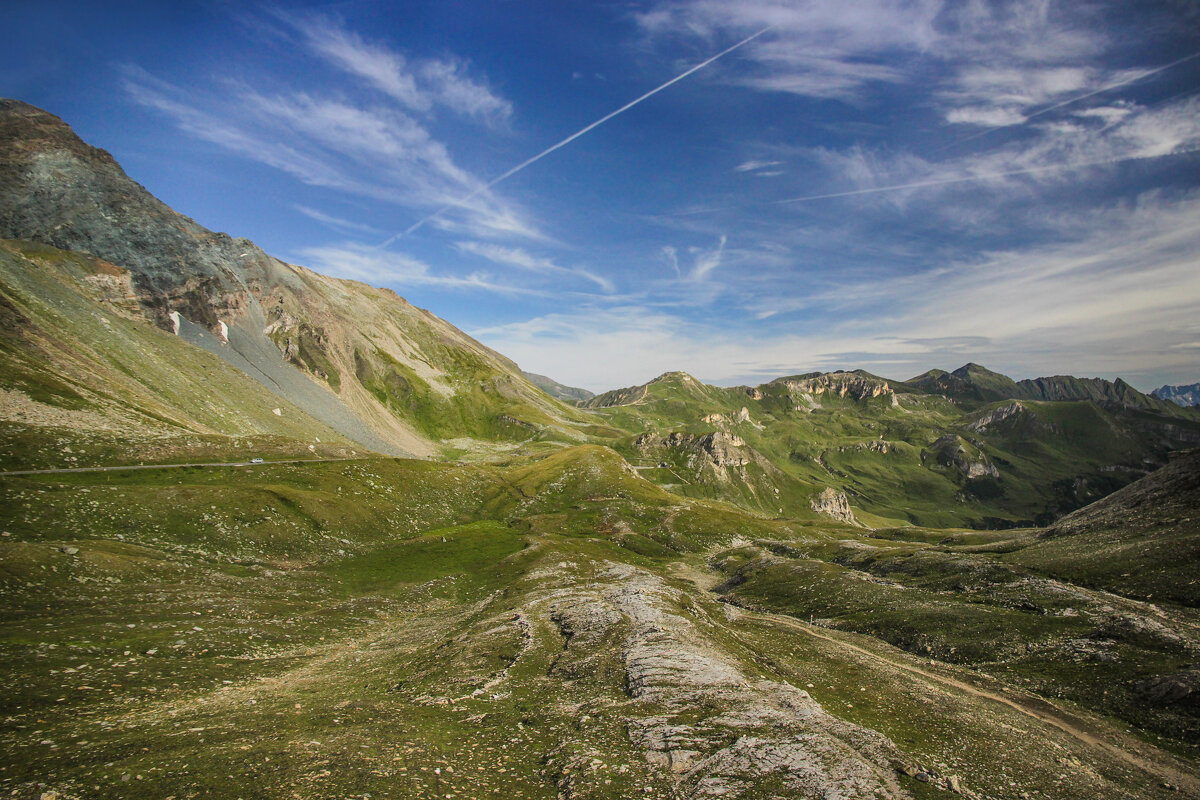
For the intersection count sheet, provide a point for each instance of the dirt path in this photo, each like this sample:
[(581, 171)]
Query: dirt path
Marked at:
[(178, 466), (1128, 750)]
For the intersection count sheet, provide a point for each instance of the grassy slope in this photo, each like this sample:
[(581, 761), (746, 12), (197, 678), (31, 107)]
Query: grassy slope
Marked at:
[(300, 628), (91, 382), (400, 366), (1052, 457)]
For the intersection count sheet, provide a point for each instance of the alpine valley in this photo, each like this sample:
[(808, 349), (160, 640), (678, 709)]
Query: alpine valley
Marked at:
[(270, 534)]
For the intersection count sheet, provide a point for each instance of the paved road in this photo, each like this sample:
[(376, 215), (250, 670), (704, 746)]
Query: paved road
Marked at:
[(177, 466)]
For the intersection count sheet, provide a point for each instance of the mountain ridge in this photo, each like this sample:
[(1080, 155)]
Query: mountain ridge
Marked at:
[(1185, 395), (395, 378)]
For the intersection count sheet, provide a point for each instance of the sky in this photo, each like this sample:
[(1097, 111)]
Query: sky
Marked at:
[(605, 191)]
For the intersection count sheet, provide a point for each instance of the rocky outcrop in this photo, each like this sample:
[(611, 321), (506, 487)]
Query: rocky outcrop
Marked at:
[(997, 415), (834, 504), (956, 453), (717, 449), (1178, 688), (698, 716), (854, 385)]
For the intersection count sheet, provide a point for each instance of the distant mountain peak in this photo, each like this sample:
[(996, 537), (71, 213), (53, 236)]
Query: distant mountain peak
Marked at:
[(1185, 395)]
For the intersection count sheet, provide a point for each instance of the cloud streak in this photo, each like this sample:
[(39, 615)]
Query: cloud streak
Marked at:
[(521, 259), (564, 142), (360, 263), (418, 85), (379, 152), (986, 176)]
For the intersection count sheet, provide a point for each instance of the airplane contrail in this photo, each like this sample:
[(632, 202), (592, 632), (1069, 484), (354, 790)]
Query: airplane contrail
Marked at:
[(1076, 99), (569, 139), (983, 177)]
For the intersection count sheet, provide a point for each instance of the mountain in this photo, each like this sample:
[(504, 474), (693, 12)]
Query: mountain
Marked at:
[(568, 394), (223, 583), (1097, 390), (970, 382), (362, 361), (1139, 541), (903, 452), (1179, 395), (973, 383)]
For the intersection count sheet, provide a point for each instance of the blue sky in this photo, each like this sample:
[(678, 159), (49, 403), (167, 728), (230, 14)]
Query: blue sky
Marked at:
[(878, 184)]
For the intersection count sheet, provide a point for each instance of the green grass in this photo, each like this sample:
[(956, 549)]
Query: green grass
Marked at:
[(460, 550)]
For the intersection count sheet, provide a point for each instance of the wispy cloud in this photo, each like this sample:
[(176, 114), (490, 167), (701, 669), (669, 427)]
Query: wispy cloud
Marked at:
[(754, 165), (1053, 153), (374, 151), (1066, 307), (816, 49), (521, 259), (581, 132), (336, 222), (356, 262), (416, 84), (708, 261)]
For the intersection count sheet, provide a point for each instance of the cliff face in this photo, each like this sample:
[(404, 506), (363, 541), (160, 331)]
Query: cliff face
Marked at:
[(853, 385), (58, 190)]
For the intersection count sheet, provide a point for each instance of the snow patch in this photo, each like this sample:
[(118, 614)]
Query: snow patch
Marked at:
[(175, 321), (222, 332)]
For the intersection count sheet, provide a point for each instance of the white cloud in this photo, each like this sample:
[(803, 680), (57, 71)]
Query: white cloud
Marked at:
[(754, 165), (1054, 153), (337, 222), (814, 48), (707, 261), (382, 268), (997, 117), (451, 85), (377, 152), (521, 259), (992, 64), (418, 85), (1124, 292)]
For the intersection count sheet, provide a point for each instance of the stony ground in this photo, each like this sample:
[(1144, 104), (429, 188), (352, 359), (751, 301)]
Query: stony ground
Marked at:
[(541, 630)]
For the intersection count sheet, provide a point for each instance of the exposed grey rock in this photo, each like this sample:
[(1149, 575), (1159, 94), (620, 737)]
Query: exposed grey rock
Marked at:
[(956, 453), (750, 729), (835, 504), (840, 384), (1178, 687), (997, 415)]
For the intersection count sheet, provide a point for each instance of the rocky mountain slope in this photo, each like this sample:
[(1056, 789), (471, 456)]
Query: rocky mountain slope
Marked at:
[(906, 452), (1179, 395), (365, 363), (568, 394), (1140, 541)]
